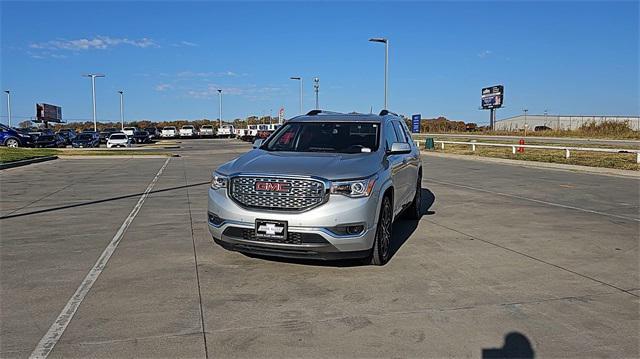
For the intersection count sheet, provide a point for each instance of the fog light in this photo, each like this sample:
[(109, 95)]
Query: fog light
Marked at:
[(355, 229), (215, 220)]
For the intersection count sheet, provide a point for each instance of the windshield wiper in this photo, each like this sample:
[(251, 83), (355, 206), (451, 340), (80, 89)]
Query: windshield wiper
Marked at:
[(321, 149)]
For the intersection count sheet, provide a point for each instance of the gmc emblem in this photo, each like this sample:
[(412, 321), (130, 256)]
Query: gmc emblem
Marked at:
[(272, 186)]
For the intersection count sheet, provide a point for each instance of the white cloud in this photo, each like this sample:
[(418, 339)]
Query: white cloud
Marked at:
[(191, 74), (249, 91), (485, 53), (163, 87), (185, 43), (98, 42)]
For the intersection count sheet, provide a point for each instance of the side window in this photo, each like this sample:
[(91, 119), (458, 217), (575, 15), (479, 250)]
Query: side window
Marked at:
[(399, 132), (407, 133), (389, 134)]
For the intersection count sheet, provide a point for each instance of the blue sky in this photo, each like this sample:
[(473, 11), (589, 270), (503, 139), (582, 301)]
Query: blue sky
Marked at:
[(170, 57)]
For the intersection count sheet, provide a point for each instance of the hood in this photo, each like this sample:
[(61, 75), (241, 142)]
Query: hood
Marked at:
[(331, 166)]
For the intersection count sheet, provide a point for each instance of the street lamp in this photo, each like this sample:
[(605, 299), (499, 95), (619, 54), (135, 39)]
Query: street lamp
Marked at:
[(121, 109), (316, 88), (386, 64), (93, 92), (220, 110), (8, 105), (301, 81)]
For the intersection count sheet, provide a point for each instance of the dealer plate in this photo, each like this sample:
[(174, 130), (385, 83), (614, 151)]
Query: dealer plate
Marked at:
[(266, 228)]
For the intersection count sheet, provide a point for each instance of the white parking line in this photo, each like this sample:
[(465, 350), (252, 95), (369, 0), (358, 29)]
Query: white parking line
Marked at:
[(534, 200), (51, 338)]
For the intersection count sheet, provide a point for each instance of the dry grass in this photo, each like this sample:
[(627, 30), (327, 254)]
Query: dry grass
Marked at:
[(624, 161)]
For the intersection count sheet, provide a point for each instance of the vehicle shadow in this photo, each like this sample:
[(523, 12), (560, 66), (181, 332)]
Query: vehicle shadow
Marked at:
[(402, 229), (516, 345)]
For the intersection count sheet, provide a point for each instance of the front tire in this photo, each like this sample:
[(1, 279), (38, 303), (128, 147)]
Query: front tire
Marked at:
[(382, 243), (12, 142)]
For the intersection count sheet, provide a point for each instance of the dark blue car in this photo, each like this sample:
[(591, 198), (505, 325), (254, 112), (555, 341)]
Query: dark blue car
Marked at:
[(12, 138)]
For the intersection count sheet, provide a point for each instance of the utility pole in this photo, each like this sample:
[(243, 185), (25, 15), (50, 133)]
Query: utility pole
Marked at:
[(220, 109), (121, 109), (93, 96), (8, 105), (316, 88), (301, 96), (386, 64), (525, 115)]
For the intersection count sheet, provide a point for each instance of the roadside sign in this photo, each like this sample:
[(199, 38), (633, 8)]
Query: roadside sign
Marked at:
[(415, 123), (492, 97)]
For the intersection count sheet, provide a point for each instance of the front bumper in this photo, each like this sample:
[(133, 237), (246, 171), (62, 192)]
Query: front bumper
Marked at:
[(233, 227)]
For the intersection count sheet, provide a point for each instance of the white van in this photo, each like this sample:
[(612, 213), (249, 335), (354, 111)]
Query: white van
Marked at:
[(168, 132)]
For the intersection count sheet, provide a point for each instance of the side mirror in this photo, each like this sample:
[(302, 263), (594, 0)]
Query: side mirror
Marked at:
[(257, 143), (399, 148)]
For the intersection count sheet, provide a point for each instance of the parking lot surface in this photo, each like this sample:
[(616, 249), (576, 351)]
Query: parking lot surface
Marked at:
[(546, 260)]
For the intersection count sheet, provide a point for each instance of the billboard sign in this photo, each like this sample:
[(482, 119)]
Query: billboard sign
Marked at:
[(415, 123), (492, 97), (48, 113)]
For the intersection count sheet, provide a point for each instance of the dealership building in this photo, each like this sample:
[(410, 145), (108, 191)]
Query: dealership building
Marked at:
[(563, 122)]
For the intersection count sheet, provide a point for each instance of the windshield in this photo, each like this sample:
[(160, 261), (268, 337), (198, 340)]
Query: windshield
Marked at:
[(169, 128), (85, 136), (118, 137), (339, 137)]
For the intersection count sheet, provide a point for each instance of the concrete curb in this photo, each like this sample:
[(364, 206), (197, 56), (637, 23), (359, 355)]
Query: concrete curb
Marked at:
[(537, 164), (93, 157), (26, 162)]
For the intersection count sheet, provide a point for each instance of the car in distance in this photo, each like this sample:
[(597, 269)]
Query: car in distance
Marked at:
[(226, 131), (325, 185), (129, 131), (141, 137), (153, 132), (68, 135), (105, 133), (50, 141), (207, 131), (187, 131), (119, 139), (86, 140), (13, 138), (169, 132)]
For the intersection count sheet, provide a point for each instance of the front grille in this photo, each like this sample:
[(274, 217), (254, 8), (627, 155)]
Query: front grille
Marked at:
[(301, 194)]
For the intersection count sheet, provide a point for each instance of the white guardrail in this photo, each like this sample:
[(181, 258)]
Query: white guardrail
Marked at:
[(567, 150)]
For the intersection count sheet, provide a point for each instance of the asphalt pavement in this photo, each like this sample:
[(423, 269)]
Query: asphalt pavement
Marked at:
[(506, 260)]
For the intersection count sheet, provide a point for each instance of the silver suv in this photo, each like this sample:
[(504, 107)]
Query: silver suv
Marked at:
[(324, 185)]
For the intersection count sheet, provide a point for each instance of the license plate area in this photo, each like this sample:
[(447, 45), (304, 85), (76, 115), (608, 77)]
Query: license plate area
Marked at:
[(269, 229)]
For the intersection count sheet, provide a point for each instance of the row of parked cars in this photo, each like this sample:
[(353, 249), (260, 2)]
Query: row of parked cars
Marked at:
[(190, 131), (47, 138)]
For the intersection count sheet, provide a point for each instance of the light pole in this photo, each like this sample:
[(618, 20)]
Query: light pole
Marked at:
[(316, 88), (301, 81), (93, 92), (386, 64), (525, 115), (220, 110), (8, 105), (121, 109)]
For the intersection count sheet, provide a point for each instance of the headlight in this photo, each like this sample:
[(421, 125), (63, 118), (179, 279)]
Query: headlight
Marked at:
[(356, 188), (219, 181)]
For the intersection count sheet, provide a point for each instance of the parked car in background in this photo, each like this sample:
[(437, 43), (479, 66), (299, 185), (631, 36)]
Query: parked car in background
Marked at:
[(68, 134), (207, 131), (129, 131), (86, 140), (187, 131), (11, 137), (119, 139), (153, 132), (141, 137), (226, 131), (93, 133), (105, 133), (50, 141), (169, 132)]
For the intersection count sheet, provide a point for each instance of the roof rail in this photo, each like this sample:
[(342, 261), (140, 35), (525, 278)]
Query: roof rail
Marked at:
[(318, 112), (387, 112)]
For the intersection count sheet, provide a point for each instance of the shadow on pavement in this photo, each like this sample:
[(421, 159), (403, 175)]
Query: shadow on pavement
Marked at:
[(516, 345), (88, 203)]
